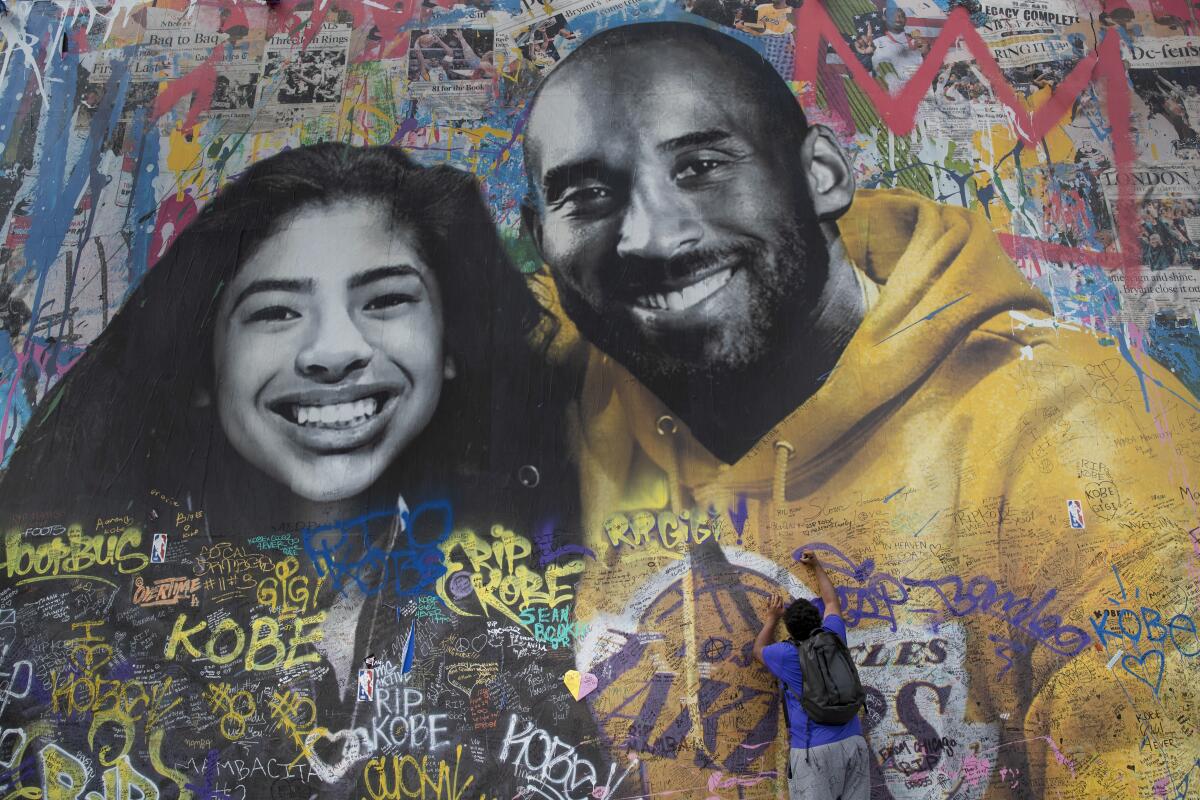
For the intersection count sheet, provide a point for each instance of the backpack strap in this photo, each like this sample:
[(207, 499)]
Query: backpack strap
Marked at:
[(807, 719), (787, 722), (783, 700), (796, 644)]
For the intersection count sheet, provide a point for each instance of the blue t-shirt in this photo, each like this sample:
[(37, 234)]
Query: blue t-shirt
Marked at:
[(784, 663)]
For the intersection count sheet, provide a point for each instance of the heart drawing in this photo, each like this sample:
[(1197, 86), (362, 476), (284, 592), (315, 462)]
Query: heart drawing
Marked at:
[(580, 685), (1141, 662), (344, 746)]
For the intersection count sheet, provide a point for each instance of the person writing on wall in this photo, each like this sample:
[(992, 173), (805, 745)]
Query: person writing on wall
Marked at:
[(826, 760)]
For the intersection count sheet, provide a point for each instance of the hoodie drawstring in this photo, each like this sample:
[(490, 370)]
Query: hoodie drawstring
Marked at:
[(783, 453), (666, 426)]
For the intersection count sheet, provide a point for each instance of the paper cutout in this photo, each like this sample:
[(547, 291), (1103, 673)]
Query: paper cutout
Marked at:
[(580, 685)]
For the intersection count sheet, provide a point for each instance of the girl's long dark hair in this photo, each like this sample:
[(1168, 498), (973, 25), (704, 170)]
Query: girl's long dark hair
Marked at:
[(124, 420)]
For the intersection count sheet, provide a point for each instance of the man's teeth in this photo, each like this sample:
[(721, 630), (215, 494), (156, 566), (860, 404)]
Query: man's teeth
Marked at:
[(688, 296), (338, 414)]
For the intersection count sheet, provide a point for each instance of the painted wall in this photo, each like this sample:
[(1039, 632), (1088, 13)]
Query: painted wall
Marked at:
[(305, 496)]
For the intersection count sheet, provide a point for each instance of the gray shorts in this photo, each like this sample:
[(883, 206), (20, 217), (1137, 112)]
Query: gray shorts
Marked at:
[(838, 771)]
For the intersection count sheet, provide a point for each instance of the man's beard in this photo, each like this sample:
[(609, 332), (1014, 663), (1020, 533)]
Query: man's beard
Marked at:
[(785, 292)]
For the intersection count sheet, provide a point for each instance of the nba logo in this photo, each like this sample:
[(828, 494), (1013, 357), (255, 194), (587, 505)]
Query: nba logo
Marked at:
[(1075, 513), (158, 550), (366, 685)]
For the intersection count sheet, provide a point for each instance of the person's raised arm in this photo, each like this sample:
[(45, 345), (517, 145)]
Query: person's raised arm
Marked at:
[(766, 636), (469, 54), (825, 588)]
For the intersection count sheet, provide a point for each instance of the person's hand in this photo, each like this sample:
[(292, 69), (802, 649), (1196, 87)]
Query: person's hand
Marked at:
[(808, 559), (775, 608)]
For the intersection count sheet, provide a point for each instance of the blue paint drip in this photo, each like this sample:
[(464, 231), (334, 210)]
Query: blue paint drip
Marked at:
[(925, 318), (926, 525), (12, 92), (143, 205), (409, 650), (1137, 370), (19, 410), (1177, 347), (1143, 376), (53, 199)]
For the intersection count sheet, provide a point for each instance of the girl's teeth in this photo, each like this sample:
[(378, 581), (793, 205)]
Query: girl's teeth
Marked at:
[(338, 415)]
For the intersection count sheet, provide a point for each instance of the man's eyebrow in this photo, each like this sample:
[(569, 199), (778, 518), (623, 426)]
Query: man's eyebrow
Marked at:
[(273, 285), (694, 139), (559, 177), (380, 273)]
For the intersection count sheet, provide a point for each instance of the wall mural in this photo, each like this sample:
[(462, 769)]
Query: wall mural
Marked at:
[(425, 400)]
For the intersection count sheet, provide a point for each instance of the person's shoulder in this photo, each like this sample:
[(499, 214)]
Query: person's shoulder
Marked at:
[(773, 654), (835, 623)]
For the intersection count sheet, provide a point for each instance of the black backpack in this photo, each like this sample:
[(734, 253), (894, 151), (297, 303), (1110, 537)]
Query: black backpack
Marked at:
[(832, 692)]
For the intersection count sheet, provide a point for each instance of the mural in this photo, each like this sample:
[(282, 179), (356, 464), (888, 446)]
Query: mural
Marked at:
[(425, 400)]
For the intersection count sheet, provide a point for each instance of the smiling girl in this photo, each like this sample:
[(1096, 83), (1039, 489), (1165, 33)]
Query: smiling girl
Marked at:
[(337, 328), (337, 338)]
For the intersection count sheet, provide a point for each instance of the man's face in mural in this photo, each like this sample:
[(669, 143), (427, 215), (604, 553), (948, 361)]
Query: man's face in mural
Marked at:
[(678, 228), (328, 351)]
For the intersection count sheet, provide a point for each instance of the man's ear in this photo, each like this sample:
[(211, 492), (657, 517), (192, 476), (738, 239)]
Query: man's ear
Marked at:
[(449, 369), (531, 221), (827, 170)]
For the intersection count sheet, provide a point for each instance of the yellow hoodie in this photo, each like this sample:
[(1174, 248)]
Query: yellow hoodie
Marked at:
[(937, 473)]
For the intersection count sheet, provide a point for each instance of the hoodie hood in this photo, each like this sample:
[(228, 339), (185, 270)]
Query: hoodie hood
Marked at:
[(927, 260)]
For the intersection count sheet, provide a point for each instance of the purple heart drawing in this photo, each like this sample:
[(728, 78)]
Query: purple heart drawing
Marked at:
[(1141, 662)]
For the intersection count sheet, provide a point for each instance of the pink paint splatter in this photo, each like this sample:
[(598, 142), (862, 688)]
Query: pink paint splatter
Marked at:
[(975, 769), (718, 780), (1059, 757)]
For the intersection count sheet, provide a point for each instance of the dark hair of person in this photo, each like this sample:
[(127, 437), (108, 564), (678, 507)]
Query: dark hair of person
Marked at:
[(124, 420), (760, 85), (801, 618)]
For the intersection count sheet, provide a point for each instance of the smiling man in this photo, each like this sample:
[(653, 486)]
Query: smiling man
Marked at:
[(774, 360), (678, 243)]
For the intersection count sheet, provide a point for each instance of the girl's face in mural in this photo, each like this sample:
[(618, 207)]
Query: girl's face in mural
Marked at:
[(328, 350)]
